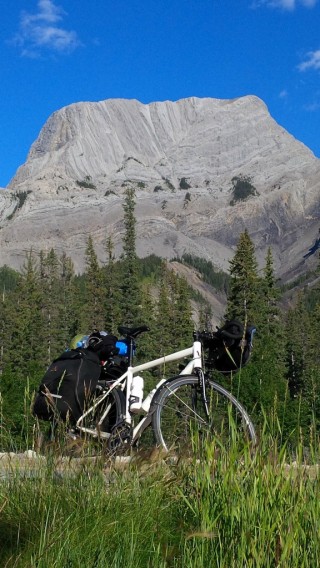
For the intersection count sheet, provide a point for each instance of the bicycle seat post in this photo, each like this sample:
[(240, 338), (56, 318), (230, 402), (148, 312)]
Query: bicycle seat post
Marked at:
[(131, 351)]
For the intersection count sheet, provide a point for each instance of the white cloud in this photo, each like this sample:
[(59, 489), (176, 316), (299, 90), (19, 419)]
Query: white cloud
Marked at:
[(283, 94), (309, 3), (312, 61), (289, 5), (41, 31), (312, 107)]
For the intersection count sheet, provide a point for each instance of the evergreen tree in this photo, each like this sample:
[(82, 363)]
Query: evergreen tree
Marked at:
[(147, 348), (93, 316), (297, 340), (243, 287), (112, 303), (24, 321), (69, 315), (205, 316), (174, 324), (269, 356), (131, 298), (165, 330), (24, 348), (183, 321), (50, 288)]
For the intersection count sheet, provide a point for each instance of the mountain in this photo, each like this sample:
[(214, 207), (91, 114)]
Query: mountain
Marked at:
[(186, 160)]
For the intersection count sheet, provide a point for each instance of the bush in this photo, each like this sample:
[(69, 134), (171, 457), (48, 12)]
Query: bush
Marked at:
[(86, 182), (184, 184), (242, 189)]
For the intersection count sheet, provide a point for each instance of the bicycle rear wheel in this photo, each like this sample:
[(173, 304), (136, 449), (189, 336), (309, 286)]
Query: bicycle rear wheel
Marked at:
[(180, 422), (114, 406)]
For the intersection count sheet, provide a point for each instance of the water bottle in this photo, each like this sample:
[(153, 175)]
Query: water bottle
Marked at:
[(146, 403), (136, 394)]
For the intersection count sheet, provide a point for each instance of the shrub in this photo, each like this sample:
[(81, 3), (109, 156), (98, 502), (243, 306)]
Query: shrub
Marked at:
[(86, 182), (184, 183), (21, 196), (242, 189), (169, 184)]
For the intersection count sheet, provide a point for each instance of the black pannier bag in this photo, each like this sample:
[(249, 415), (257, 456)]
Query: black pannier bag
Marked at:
[(67, 386), (230, 347), (103, 344)]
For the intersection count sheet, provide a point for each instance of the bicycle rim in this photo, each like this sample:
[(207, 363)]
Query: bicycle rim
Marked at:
[(180, 423), (113, 404)]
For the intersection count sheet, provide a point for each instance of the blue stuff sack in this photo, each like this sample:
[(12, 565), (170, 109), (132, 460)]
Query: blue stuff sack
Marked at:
[(123, 348)]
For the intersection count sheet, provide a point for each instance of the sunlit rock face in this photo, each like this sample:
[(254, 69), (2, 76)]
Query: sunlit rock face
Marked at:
[(181, 158)]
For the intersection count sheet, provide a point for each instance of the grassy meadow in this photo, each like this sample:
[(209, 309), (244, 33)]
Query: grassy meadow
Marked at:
[(232, 509)]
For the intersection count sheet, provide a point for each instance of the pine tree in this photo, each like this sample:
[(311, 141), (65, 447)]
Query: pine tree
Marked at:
[(297, 340), (243, 288), (50, 287), (174, 324), (93, 316), (270, 355), (24, 347), (268, 313), (147, 347), (24, 321), (112, 303), (68, 313), (131, 296), (205, 316), (165, 329), (183, 314)]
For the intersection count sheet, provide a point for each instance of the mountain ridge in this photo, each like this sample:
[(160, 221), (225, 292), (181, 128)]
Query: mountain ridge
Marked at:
[(180, 157)]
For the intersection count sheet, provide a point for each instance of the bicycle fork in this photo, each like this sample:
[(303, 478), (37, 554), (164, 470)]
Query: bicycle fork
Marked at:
[(202, 385)]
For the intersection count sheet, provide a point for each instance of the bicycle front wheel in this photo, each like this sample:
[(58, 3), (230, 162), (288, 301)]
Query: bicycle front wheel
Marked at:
[(181, 424)]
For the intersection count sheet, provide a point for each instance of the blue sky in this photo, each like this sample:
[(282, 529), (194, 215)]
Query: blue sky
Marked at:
[(56, 52)]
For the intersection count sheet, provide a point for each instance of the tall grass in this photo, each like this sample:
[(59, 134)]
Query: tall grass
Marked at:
[(229, 510)]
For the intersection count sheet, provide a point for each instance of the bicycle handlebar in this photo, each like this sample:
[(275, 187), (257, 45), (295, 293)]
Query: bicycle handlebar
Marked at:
[(209, 336)]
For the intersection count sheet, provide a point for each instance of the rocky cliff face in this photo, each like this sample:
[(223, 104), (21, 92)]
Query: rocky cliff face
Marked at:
[(180, 157)]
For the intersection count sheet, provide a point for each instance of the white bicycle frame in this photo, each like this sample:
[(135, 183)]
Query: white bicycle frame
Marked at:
[(126, 381)]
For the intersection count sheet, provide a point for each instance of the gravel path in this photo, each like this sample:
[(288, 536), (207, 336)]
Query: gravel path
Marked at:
[(30, 464)]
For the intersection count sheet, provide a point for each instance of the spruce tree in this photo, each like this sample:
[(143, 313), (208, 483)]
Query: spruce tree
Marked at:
[(50, 288), (112, 292), (24, 346), (165, 329), (130, 289), (297, 340), (205, 316), (268, 364), (243, 287), (174, 324), (69, 315), (24, 321), (183, 321), (147, 347), (93, 316)]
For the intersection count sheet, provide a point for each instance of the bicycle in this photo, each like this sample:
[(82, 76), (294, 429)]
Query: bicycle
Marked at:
[(184, 411)]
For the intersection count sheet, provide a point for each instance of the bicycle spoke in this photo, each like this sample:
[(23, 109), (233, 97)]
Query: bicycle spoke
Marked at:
[(174, 408), (180, 418)]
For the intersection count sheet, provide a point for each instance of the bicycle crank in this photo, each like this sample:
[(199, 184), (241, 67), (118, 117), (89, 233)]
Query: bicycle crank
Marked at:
[(120, 437)]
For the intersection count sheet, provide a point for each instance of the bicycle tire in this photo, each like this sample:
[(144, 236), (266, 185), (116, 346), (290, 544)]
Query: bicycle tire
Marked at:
[(179, 420), (116, 400)]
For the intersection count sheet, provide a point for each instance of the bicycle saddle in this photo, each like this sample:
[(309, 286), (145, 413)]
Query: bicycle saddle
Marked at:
[(132, 332)]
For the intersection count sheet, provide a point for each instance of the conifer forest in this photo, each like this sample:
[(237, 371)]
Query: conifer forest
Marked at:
[(46, 304)]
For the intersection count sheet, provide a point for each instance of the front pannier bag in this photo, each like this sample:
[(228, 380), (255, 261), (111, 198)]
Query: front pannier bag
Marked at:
[(67, 385), (230, 348)]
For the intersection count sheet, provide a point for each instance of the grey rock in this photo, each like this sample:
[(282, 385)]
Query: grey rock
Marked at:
[(180, 157)]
